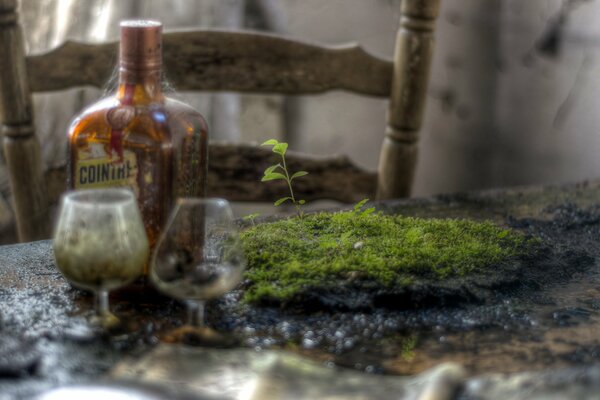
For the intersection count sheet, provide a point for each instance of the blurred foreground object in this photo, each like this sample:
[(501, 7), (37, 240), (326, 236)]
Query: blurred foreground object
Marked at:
[(100, 244)]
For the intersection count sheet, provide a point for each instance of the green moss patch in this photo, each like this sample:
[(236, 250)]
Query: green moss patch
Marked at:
[(323, 250)]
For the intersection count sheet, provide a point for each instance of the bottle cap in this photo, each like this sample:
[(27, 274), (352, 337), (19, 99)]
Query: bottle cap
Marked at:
[(141, 45)]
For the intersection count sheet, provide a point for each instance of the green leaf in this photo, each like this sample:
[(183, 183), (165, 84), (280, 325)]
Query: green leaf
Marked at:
[(271, 169), (301, 202), (280, 148), (270, 142), (298, 174), (503, 234), (368, 211), (272, 177), (281, 201), (360, 204)]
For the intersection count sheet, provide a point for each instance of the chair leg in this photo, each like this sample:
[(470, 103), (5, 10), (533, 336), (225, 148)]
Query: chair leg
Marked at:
[(396, 171), (23, 160), (412, 59), (21, 147)]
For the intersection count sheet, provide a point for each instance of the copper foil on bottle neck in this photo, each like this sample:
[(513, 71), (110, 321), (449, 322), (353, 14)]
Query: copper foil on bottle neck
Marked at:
[(141, 45)]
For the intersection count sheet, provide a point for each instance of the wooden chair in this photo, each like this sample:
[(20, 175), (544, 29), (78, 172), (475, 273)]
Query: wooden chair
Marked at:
[(233, 61)]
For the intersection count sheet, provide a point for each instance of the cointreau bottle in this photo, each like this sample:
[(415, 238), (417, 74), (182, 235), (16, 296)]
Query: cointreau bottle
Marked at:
[(137, 137)]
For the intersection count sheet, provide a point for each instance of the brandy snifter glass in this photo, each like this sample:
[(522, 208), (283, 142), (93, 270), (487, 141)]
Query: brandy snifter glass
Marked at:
[(199, 256), (100, 243)]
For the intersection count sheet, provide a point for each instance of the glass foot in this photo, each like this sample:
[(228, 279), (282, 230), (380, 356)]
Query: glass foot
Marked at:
[(102, 317), (200, 336), (105, 320)]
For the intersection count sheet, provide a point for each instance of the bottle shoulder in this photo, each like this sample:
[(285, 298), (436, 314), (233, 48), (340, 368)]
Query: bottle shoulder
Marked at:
[(172, 117), (92, 117), (183, 117), (173, 105), (100, 106), (107, 115)]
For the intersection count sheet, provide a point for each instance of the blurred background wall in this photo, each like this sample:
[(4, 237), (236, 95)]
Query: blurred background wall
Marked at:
[(513, 97)]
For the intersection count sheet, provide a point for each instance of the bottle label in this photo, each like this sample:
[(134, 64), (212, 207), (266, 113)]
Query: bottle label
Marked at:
[(96, 169)]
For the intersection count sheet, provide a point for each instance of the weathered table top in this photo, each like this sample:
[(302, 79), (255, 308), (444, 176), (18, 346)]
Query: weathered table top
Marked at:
[(45, 342)]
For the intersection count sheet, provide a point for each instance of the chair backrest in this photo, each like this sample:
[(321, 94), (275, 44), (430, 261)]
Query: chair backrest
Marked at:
[(232, 61)]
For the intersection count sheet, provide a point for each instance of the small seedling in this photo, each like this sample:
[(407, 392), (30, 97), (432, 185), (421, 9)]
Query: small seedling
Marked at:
[(279, 171), (251, 218), (358, 208)]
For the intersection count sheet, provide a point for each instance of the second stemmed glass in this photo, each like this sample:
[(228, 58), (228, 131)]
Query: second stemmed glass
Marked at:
[(199, 256)]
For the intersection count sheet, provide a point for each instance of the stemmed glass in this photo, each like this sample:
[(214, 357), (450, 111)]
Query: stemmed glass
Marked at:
[(100, 244), (199, 255)]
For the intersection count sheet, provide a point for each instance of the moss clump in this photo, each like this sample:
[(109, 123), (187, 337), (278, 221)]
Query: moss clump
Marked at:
[(321, 250)]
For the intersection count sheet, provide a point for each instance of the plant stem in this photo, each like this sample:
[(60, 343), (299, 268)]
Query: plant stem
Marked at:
[(289, 182)]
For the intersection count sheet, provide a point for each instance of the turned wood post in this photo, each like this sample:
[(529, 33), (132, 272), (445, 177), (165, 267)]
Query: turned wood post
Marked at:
[(21, 147), (412, 59)]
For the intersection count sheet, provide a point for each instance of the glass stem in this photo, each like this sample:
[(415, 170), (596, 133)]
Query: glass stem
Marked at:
[(196, 313), (102, 302)]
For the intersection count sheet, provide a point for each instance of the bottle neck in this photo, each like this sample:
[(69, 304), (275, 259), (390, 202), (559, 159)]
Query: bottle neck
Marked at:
[(139, 87)]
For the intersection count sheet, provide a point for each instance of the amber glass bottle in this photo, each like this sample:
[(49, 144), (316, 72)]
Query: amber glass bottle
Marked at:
[(137, 137)]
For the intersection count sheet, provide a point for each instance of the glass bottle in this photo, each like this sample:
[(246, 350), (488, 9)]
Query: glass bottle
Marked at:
[(137, 137)]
